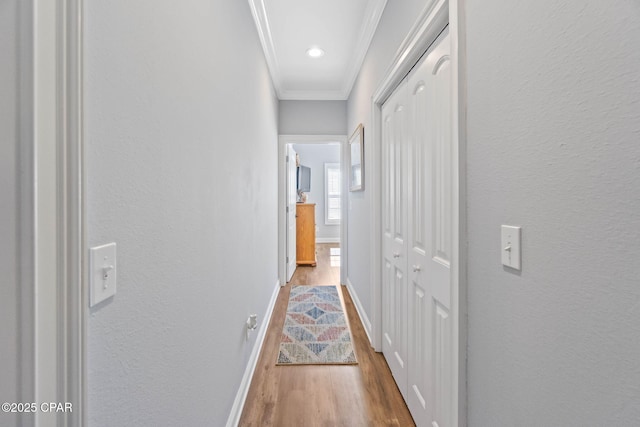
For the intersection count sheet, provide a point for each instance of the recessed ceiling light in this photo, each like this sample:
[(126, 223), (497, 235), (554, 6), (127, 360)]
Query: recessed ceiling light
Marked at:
[(315, 52)]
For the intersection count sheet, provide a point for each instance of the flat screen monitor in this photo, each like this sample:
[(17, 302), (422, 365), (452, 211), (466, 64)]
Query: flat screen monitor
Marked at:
[(304, 179)]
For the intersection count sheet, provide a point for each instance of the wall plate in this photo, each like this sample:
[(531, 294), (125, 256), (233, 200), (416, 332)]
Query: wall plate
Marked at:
[(102, 273), (511, 250)]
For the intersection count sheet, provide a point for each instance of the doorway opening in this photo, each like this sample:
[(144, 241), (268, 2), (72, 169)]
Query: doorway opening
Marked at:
[(312, 208)]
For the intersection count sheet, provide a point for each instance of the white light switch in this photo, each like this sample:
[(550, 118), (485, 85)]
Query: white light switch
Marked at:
[(511, 246), (102, 273)]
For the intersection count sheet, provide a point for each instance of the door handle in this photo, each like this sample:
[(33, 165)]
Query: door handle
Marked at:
[(416, 268), (396, 254)]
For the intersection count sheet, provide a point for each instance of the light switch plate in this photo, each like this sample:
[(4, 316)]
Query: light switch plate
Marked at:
[(511, 249), (102, 273)]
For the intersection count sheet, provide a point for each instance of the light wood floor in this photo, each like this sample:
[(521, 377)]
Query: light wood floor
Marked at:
[(322, 395)]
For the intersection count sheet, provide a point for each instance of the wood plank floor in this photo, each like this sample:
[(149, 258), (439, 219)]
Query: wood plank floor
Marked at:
[(322, 395)]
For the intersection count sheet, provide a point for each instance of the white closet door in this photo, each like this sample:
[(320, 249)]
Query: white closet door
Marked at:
[(394, 219), (429, 237)]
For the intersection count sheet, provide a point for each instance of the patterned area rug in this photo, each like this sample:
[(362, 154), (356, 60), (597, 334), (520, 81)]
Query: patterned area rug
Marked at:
[(315, 328)]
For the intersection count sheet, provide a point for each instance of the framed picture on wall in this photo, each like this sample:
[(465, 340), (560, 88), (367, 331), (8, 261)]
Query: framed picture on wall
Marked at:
[(356, 157)]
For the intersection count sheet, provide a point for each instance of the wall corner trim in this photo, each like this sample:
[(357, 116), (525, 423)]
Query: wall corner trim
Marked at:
[(243, 390)]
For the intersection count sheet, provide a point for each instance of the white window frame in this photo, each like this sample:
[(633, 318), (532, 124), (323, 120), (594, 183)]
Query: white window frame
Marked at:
[(327, 196)]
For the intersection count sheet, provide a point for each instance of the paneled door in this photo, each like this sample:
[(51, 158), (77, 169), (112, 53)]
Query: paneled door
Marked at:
[(394, 247), (417, 219), (430, 170)]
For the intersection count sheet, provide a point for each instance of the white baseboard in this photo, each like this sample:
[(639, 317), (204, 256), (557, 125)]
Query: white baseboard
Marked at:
[(241, 396), (327, 239), (360, 309)]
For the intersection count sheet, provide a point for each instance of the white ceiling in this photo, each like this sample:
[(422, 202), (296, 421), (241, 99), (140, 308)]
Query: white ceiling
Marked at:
[(343, 28)]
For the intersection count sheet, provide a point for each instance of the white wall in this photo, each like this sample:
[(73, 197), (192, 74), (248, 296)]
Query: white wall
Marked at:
[(9, 208), (315, 156), (312, 118), (18, 369), (554, 146), (553, 129), (181, 134), (396, 21)]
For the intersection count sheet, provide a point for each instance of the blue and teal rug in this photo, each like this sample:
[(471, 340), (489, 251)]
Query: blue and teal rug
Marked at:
[(315, 329)]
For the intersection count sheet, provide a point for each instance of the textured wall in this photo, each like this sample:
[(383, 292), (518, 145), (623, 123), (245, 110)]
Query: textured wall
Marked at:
[(554, 146), (181, 134), (553, 130), (312, 118), (396, 21), (315, 156)]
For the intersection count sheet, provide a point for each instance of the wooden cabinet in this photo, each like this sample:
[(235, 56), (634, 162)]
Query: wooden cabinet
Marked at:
[(306, 234)]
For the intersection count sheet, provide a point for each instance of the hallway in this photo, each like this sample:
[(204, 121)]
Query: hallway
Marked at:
[(322, 395), (158, 127)]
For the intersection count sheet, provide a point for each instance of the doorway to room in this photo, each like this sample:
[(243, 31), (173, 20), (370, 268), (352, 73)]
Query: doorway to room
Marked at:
[(312, 209)]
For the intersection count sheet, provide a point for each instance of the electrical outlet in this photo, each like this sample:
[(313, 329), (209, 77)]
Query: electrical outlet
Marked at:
[(252, 323)]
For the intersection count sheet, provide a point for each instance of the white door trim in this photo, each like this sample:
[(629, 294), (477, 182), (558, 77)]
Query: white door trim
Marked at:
[(434, 17), (72, 301), (283, 140), (46, 102), (53, 238), (73, 365)]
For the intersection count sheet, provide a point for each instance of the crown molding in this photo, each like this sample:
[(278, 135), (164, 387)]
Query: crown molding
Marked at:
[(370, 23), (312, 95), (371, 18), (264, 32)]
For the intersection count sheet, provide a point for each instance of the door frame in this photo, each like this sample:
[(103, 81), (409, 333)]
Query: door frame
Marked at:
[(72, 271), (59, 238), (433, 18), (283, 140)]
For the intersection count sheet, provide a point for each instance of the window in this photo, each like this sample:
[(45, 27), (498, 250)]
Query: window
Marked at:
[(332, 189)]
